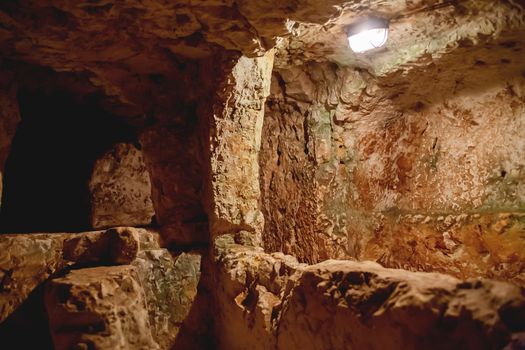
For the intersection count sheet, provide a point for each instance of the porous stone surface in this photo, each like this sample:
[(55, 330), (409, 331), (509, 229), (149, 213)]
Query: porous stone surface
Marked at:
[(269, 301), (409, 155), (170, 288), (342, 304), (136, 306), (420, 32), (99, 308), (133, 50), (419, 168), (235, 131), (120, 189), (250, 288), (116, 246), (26, 261), (155, 291)]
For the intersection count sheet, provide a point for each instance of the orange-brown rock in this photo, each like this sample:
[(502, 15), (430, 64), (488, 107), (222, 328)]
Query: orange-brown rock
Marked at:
[(170, 288), (116, 246), (28, 260), (427, 180), (270, 301), (251, 288), (140, 304), (173, 155), (120, 189), (235, 139), (343, 304), (99, 308)]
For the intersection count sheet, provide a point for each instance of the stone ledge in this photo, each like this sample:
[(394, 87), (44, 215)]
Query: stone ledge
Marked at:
[(269, 301)]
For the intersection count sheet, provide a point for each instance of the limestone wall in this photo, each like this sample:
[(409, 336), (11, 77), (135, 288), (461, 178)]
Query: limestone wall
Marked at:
[(421, 170), (270, 301)]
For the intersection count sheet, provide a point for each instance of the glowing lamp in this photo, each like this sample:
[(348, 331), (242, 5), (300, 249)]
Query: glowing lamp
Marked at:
[(367, 35)]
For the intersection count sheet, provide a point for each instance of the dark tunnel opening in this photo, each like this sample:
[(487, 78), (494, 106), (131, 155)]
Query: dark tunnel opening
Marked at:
[(52, 155)]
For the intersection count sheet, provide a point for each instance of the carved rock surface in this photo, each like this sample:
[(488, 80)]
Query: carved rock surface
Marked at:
[(414, 175), (236, 126), (120, 189), (251, 287), (99, 308), (342, 304), (269, 301), (116, 246), (26, 261), (140, 304), (170, 287)]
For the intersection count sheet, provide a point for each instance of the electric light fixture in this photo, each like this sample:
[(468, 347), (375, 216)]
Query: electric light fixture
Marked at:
[(367, 34)]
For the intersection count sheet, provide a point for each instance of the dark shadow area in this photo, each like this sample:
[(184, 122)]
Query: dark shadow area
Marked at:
[(196, 331), (28, 326), (51, 160)]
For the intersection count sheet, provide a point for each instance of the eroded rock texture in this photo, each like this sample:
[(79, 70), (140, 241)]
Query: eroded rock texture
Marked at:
[(155, 293), (270, 301), (263, 135), (236, 125), (26, 261), (362, 305), (120, 189), (137, 295), (252, 285), (413, 162), (101, 308)]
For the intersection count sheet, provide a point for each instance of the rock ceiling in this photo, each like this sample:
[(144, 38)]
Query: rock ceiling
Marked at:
[(113, 43)]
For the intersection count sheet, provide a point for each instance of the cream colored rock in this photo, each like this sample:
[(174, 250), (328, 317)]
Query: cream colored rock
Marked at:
[(99, 308), (120, 189), (269, 301), (235, 140), (358, 305), (26, 261)]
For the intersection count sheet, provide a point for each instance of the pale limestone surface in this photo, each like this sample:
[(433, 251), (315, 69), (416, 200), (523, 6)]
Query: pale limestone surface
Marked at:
[(420, 169), (269, 301), (26, 261), (100, 308), (236, 125), (120, 189), (137, 296)]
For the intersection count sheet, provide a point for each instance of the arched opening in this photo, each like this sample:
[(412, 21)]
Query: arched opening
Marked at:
[(51, 159)]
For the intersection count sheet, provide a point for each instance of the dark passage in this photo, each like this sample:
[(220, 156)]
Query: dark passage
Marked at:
[(52, 156)]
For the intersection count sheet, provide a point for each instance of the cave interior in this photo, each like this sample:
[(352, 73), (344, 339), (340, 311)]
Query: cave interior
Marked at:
[(233, 174)]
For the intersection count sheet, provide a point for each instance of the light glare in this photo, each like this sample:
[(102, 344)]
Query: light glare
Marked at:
[(368, 39)]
